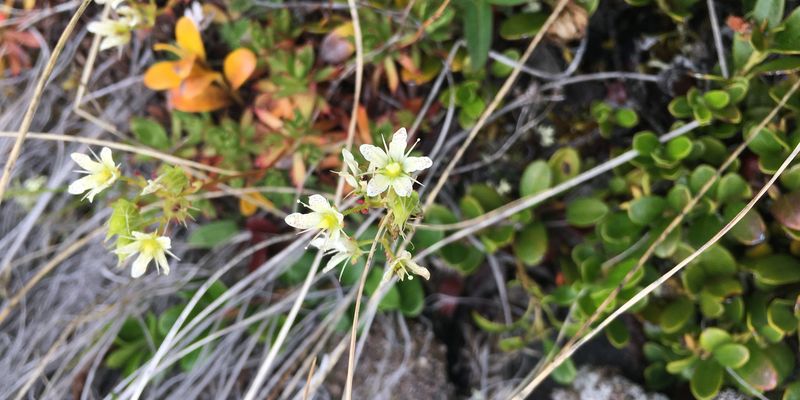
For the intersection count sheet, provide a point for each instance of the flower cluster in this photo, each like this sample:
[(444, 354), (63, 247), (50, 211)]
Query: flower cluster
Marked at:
[(387, 183), (126, 222), (116, 32)]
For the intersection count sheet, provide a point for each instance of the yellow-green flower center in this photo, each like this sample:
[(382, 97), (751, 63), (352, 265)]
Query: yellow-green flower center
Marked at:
[(150, 246), (329, 221), (394, 169), (104, 175)]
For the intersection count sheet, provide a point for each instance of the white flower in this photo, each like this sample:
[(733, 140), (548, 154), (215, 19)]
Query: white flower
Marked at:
[(150, 247), (404, 266), (114, 32), (343, 250), (101, 174), (114, 3), (393, 167), (322, 216), (195, 13), (353, 174)]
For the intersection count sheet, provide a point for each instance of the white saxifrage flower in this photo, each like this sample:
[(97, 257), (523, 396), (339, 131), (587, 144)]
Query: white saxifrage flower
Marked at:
[(404, 266), (101, 174), (342, 251), (353, 174), (114, 32), (149, 246), (153, 185), (393, 167), (114, 3), (323, 216)]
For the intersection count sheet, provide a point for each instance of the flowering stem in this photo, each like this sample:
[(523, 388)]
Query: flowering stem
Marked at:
[(362, 281)]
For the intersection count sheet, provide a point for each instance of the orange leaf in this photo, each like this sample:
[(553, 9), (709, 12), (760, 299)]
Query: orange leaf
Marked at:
[(362, 121), (213, 98), (238, 66), (249, 203), (298, 172), (188, 37), (162, 76), (391, 74)]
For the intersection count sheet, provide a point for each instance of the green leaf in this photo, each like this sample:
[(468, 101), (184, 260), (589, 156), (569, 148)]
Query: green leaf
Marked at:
[(645, 142), (791, 178), (470, 207), (564, 373), (751, 230), (617, 334), (586, 211), (536, 178), (389, 302), (776, 269), (783, 64), (119, 357), (646, 209), (489, 326), (792, 391), (678, 197), (212, 234), (680, 108), (711, 338), (733, 355), (758, 371), (511, 343), (769, 11), (717, 99), (706, 380), (780, 315), (787, 39), (168, 318), (565, 163), (531, 245), (477, 19), (522, 26), (626, 117), (732, 187), (150, 133), (676, 315), (700, 177), (679, 148), (786, 209), (412, 297)]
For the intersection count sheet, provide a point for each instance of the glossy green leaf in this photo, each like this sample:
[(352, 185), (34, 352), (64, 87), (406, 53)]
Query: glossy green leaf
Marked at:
[(586, 211), (646, 209), (787, 40), (617, 333), (706, 380), (677, 315), (626, 117), (531, 245), (711, 338), (679, 148), (522, 25), (769, 11), (786, 209), (792, 391), (717, 99), (565, 163), (645, 142), (733, 355), (537, 177), (732, 187), (680, 108), (776, 269), (477, 22)]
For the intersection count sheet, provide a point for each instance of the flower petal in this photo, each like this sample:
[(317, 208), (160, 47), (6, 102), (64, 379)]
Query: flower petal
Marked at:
[(334, 261), (163, 264), (397, 148), (81, 185), (377, 185), (106, 157), (350, 161), (188, 37), (303, 221), (85, 162), (162, 76), (318, 203), (402, 186), (164, 242), (375, 155), (140, 265), (414, 164)]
